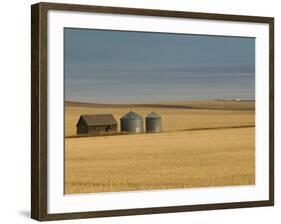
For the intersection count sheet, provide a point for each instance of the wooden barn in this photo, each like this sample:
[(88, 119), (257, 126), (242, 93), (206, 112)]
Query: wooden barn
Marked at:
[(96, 124)]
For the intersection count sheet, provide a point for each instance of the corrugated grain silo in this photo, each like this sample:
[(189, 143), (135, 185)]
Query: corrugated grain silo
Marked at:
[(153, 123), (132, 123)]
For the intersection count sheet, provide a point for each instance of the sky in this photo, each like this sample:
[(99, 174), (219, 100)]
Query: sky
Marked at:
[(102, 66)]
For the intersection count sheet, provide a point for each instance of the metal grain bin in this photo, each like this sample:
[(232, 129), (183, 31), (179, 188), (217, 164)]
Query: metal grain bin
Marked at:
[(153, 123), (132, 123)]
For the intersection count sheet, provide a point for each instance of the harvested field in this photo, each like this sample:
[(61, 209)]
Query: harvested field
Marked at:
[(198, 148)]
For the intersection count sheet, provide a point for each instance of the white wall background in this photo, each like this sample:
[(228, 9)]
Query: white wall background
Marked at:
[(15, 111)]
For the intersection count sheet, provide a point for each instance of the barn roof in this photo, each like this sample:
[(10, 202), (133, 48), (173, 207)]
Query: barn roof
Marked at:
[(132, 115), (98, 119)]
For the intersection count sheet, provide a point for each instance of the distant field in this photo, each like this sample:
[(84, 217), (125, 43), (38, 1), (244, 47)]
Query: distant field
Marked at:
[(173, 119), (177, 158), (211, 104)]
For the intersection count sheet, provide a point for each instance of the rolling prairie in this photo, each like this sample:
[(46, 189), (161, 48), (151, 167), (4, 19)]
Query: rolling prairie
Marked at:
[(203, 144), (175, 116)]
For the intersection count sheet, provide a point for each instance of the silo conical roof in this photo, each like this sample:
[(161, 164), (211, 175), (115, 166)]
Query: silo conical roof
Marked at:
[(153, 115), (132, 116)]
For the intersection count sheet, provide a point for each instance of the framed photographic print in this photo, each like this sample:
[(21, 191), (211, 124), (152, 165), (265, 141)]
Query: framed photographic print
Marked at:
[(140, 111)]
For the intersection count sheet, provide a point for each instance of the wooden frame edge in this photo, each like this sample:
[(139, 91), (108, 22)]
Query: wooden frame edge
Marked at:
[(156, 210), (154, 12), (39, 111), (34, 112), (271, 111)]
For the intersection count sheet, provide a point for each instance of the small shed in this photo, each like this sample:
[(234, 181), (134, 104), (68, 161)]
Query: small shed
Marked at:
[(96, 124)]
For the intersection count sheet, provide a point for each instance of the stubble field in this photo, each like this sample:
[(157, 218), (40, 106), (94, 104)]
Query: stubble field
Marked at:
[(208, 144)]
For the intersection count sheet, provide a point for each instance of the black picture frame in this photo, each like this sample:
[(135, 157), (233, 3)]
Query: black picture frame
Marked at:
[(39, 107)]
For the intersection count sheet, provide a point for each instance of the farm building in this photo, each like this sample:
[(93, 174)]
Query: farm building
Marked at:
[(96, 124), (153, 123), (131, 123)]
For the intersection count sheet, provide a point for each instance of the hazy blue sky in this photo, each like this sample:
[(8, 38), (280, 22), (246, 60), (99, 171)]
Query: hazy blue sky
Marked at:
[(119, 67)]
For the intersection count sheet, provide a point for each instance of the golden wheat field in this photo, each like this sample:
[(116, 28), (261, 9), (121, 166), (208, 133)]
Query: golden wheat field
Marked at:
[(184, 155)]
